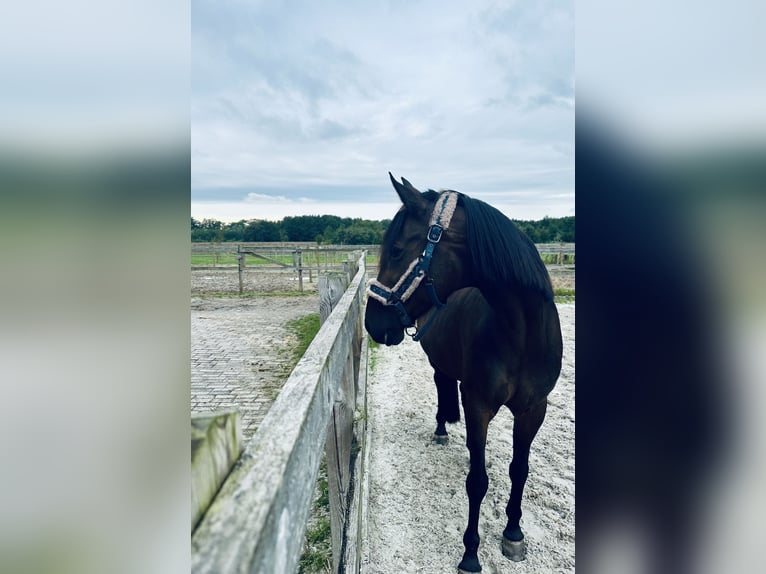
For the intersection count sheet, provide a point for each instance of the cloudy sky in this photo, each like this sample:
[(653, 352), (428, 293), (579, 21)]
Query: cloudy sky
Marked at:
[(303, 107)]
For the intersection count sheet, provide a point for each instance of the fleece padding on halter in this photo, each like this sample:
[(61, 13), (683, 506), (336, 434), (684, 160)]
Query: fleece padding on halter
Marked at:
[(417, 270)]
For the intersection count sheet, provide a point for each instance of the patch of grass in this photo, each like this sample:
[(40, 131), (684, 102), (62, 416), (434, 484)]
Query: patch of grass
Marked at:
[(305, 329), (312, 562), (323, 500), (227, 258), (553, 258), (372, 358), (272, 391), (317, 546), (319, 533), (372, 259), (563, 295), (213, 259)]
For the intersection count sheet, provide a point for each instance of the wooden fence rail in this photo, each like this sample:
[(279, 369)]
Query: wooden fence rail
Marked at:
[(318, 256), (258, 519)]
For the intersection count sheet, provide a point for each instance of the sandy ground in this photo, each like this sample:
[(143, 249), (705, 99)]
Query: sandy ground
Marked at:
[(417, 503)]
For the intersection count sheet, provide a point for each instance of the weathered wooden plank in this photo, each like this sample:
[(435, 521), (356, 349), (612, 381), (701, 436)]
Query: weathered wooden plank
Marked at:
[(351, 265), (331, 287), (257, 522), (357, 516), (364, 495), (338, 454), (339, 433), (216, 443)]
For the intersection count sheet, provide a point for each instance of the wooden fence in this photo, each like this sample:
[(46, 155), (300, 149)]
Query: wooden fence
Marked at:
[(258, 519), (315, 257), (309, 259), (300, 262)]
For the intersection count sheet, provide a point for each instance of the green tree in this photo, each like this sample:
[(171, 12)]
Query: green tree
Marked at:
[(234, 231), (260, 230), (207, 230)]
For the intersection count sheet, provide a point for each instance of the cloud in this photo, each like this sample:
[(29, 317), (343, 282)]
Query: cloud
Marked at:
[(264, 198), (468, 96)]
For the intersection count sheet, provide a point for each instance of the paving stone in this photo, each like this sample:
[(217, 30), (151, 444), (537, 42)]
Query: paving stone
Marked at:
[(238, 352)]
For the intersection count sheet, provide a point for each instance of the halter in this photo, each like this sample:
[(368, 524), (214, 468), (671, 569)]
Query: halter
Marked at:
[(418, 270)]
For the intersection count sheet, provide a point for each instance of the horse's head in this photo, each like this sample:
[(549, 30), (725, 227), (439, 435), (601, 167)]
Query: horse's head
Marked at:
[(421, 262)]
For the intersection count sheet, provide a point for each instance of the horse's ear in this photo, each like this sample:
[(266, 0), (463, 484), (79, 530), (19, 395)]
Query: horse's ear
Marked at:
[(411, 197)]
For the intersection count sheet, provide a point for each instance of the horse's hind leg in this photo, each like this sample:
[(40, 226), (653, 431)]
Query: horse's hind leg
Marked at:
[(448, 410), (525, 427)]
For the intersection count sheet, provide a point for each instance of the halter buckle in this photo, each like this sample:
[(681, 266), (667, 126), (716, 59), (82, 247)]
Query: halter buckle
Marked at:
[(435, 233)]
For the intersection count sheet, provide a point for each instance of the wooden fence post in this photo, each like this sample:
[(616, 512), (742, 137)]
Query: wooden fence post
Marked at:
[(300, 270), (240, 267), (331, 287), (338, 454), (340, 430), (216, 444)]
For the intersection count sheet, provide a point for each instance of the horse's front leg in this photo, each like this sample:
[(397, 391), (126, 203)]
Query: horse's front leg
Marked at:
[(448, 410), (476, 483), (525, 427)]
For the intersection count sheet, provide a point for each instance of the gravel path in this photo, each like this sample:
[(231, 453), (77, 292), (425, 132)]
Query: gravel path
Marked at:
[(417, 503)]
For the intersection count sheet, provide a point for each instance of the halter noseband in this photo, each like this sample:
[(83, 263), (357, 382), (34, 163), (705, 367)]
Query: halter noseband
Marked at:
[(418, 270)]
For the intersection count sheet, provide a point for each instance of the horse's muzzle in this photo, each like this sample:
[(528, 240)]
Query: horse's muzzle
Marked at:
[(386, 337), (383, 324), (392, 338)]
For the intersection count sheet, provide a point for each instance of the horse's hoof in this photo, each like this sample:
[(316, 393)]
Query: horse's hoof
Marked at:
[(441, 438), (516, 550), (469, 566)]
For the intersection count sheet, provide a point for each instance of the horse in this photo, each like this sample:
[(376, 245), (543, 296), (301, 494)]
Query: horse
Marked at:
[(458, 276)]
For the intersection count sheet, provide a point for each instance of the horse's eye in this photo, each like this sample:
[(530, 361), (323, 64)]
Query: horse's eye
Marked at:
[(396, 252)]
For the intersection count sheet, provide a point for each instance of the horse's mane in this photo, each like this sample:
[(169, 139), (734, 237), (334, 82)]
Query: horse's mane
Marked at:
[(503, 256)]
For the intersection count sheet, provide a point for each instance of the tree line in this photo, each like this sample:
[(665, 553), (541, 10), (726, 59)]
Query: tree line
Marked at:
[(334, 230)]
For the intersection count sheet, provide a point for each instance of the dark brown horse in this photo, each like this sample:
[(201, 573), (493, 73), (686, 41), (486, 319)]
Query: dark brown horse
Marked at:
[(479, 299)]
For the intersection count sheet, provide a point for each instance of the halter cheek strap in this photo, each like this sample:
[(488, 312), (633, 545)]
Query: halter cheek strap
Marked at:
[(413, 276)]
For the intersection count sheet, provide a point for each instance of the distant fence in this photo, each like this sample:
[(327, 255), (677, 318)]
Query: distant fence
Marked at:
[(557, 253), (258, 519), (307, 259), (277, 254), (302, 260)]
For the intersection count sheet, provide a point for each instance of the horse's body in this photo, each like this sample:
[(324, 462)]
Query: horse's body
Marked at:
[(498, 333), (502, 354)]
